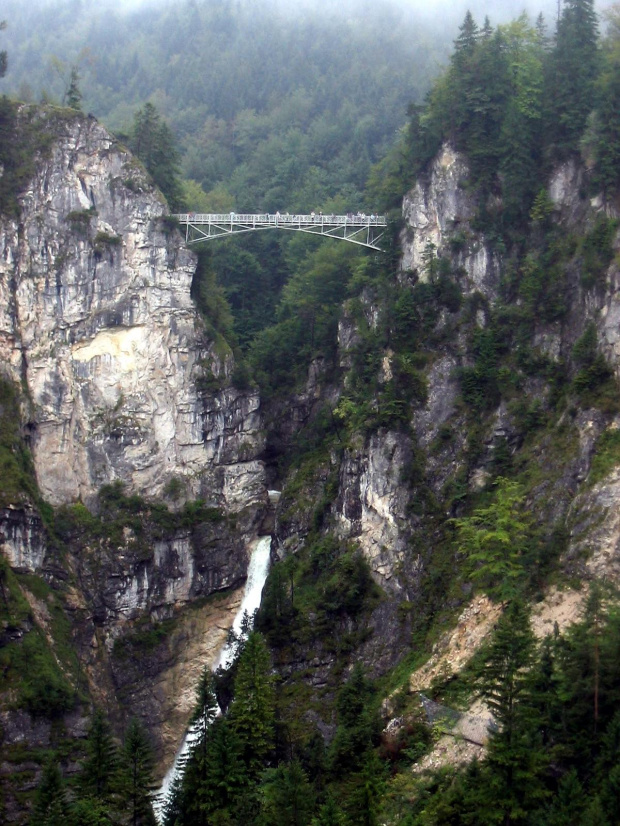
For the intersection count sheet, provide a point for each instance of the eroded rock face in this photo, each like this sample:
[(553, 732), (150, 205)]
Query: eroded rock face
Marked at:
[(439, 209), (22, 538), (372, 502), (96, 316)]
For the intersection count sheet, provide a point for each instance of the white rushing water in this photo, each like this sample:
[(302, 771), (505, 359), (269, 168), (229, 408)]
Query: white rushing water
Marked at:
[(257, 574)]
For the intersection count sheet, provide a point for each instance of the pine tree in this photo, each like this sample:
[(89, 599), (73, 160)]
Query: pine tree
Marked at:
[(51, 807), (153, 143), (196, 792), (574, 66), (568, 805), (226, 773), (3, 56), (495, 539), (521, 130), (288, 799), (137, 775), (206, 707), (174, 805), (252, 712), (515, 755), (358, 724), (74, 96), (329, 814), (98, 777), (607, 128)]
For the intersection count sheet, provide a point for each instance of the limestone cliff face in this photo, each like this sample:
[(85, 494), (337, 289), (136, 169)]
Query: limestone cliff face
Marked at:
[(98, 328), (438, 211), (22, 538), (96, 319)]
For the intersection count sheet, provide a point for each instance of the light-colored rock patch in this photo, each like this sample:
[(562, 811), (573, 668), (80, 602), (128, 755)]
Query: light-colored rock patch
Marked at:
[(198, 636), (456, 647)]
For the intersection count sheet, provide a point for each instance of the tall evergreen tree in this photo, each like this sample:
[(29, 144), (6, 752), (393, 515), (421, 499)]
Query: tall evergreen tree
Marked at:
[(51, 807), (288, 799), (495, 538), (521, 130), (607, 127), (137, 775), (358, 724), (575, 63), (3, 55), (74, 95), (515, 755), (329, 814), (98, 778), (252, 712), (196, 792), (153, 143)]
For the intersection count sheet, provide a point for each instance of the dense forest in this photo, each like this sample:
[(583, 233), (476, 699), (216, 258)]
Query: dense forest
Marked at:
[(517, 100)]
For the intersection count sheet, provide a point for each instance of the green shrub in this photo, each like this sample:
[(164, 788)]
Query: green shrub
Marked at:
[(596, 250), (606, 455)]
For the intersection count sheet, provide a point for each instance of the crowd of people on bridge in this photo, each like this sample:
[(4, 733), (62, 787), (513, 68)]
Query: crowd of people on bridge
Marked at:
[(314, 217)]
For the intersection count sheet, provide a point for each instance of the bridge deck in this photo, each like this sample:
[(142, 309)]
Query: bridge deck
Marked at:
[(357, 228)]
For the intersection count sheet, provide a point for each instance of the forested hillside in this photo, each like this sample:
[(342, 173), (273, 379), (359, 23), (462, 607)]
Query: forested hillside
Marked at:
[(271, 108), (430, 434)]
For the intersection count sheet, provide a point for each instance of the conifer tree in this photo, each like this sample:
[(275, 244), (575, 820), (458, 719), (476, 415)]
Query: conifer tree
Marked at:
[(226, 773), (288, 799), (74, 96), (196, 792), (515, 755), (607, 127), (153, 143), (98, 778), (137, 775), (495, 539), (252, 712), (567, 806), (329, 814), (3, 55), (358, 724), (51, 807), (575, 65)]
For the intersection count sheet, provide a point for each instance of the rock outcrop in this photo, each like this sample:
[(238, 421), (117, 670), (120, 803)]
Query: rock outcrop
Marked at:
[(97, 320), (121, 383)]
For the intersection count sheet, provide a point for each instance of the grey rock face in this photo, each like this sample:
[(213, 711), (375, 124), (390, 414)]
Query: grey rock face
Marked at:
[(372, 501), (96, 316), (439, 209), (22, 538)]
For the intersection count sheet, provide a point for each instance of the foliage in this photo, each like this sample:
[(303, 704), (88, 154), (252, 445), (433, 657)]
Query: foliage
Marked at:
[(51, 805), (495, 540), (594, 382), (152, 141), (3, 56), (98, 777), (252, 712), (137, 780), (24, 136), (74, 96), (606, 455)]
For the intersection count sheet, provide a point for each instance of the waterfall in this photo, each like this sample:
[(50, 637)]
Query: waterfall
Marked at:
[(257, 574)]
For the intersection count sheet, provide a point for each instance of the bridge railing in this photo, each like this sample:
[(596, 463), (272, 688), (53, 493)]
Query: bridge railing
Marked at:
[(261, 219)]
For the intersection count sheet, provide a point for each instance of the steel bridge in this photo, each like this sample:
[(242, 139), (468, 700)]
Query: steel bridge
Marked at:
[(365, 230)]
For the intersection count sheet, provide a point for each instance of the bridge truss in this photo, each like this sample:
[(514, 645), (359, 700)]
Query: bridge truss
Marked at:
[(365, 230)]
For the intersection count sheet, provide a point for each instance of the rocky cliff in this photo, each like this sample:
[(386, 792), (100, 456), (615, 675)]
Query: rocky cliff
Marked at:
[(473, 362), (98, 323), (100, 334)]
